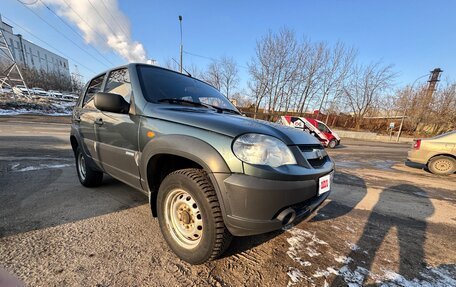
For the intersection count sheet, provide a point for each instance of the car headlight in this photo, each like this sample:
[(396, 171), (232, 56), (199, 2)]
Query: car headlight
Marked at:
[(262, 149)]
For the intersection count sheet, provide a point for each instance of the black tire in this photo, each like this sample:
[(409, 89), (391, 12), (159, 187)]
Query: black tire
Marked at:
[(203, 211), (332, 143), (442, 165), (87, 177)]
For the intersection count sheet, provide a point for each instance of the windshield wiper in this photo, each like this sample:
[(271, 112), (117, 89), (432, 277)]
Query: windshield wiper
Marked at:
[(227, 110), (180, 101), (196, 104)]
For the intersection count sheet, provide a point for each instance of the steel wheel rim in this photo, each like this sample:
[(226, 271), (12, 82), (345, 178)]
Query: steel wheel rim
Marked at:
[(442, 165), (183, 218), (81, 166)]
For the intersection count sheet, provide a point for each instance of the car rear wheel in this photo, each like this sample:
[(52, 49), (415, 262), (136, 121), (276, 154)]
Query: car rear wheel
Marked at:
[(88, 177), (190, 217), (332, 143), (442, 165)]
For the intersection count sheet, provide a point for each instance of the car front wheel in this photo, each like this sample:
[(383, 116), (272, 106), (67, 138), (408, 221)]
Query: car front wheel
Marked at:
[(442, 165), (190, 217)]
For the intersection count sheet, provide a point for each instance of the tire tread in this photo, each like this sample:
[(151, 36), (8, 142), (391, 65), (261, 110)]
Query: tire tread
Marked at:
[(223, 236)]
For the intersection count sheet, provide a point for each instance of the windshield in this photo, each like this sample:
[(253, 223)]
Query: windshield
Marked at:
[(160, 85)]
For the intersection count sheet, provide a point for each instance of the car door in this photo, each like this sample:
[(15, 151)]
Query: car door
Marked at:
[(117, 134), (85, 117)]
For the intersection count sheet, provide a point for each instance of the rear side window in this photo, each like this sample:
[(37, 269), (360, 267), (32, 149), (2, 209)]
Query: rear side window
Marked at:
[(119, 83), (94, 87)]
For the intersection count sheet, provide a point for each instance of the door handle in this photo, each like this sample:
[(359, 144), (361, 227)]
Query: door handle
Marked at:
[(99, 122)]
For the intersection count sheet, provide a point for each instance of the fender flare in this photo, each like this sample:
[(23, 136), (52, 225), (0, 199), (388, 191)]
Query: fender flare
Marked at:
[(190, 148), (185, 146)]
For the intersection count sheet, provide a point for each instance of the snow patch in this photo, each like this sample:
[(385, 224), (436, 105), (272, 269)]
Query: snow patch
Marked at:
[(41, 166), (312, 252), (439, 277), (352, 246), (25, 111), (325, 273), (295, 276), (343, 259)]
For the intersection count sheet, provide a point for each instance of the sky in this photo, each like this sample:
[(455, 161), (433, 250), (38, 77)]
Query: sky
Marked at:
[(414, 36)]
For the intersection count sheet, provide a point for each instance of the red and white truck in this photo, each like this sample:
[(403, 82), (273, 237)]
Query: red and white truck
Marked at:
[(320, 130)]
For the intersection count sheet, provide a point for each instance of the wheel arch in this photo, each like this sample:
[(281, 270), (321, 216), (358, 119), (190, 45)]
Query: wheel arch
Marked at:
[(166, 154), (441, 154)]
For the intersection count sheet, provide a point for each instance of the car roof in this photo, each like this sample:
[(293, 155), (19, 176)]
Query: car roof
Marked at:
[(135, 64)]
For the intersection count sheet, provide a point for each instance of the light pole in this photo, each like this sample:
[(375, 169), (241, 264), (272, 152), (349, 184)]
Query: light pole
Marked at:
[(405, 109), (181, 46)]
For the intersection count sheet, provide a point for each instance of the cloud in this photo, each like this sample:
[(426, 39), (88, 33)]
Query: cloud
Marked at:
[(102, 24)]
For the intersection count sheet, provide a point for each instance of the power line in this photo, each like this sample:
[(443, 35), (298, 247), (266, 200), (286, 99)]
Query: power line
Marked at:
[(82, 19), (212, 59), (74, 30), (36, 37), (33, 3), (68, 38), (118, 23), (98, 13)]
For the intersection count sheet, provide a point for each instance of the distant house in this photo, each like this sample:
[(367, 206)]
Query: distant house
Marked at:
[(30, 55)]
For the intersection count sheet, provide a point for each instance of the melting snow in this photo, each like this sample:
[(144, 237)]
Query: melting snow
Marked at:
[(41, 166), (295, 276), (352, 246), (343, 259), (439, 277)]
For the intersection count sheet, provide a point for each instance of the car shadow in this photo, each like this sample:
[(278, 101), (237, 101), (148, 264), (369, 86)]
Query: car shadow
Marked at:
[(416, 165), (333, 209), (340, 146), (49, 197)]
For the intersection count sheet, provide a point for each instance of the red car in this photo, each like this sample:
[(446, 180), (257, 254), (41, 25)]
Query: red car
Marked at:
[(327, 137)]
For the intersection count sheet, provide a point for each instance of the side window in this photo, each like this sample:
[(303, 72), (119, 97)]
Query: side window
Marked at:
[(119, 83), (322, 128), (94, 87)]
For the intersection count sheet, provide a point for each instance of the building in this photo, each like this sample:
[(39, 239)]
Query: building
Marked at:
[(32, 56)]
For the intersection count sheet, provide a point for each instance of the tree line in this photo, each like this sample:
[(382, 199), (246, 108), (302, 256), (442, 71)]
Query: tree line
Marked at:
[(46, 80), (287, 74)]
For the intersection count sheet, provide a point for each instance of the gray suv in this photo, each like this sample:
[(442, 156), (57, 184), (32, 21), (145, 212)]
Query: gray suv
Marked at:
[(209, 172)]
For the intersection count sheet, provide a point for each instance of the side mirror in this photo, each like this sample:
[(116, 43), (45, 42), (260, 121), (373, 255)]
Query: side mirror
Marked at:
[(113, 103)]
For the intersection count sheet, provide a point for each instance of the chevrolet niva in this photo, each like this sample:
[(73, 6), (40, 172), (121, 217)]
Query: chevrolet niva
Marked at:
[(209, 172)]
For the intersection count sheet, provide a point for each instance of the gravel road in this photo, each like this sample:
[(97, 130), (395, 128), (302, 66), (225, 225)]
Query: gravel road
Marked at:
[(385, 223)]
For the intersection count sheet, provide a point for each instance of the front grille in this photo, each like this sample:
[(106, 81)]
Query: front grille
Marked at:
[(316, 162), (315, 155), (310, 147)]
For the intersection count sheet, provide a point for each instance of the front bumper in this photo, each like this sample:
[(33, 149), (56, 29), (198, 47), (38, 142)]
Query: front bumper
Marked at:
[(255, 205)]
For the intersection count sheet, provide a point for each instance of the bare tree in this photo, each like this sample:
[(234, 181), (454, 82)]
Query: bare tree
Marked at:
[(428, 116), (365, 86), (214, 75), (312, 58), (338, 63), (230, 76), (273, 69)]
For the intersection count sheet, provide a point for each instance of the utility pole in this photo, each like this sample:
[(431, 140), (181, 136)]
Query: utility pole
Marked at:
[(181, 45)]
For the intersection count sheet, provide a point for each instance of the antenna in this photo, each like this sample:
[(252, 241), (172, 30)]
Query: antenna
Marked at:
[(188, 74)]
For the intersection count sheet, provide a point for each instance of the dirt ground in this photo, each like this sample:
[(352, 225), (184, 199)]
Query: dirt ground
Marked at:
[(387, 223)]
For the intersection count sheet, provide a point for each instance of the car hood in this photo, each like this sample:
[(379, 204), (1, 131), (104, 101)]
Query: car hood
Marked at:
[(227, 124)]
